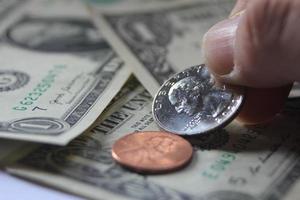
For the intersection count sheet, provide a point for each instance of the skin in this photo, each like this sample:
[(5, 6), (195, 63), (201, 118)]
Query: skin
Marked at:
[(257, 47)]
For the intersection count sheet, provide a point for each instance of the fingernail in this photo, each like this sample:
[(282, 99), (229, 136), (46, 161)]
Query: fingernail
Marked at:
[(235, 15), (218, 44), (232, 77)]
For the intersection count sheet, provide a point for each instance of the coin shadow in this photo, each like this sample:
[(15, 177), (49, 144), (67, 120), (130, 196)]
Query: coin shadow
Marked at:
[(209, 141), (281, 132)]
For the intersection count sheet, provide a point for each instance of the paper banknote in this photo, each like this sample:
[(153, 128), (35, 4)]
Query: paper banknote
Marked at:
[(125, 5), (57, 73), (235, 163), (162, 40)]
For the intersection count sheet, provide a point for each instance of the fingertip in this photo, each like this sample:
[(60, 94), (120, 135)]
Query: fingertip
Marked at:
[(218, 46)]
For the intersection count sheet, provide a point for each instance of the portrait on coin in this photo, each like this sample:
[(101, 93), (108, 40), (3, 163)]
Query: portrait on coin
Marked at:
[(154, 148), (192, 95)]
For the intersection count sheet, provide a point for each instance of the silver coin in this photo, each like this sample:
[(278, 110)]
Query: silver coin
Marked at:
[(192, 102)]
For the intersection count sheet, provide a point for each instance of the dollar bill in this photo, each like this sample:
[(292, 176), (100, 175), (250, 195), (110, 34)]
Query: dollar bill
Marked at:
[(8, 147), (57, 73), (162, 40), (125, 5), (235, 163)]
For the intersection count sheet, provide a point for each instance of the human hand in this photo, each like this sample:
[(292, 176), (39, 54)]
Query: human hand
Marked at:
[(258, 46)]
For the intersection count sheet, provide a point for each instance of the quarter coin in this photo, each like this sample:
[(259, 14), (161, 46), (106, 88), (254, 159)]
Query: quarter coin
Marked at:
[(192, 102), (152, 151)]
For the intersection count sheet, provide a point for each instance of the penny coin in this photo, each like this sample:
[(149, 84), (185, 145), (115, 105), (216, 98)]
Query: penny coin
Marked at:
[(192, 102), (152, 152)]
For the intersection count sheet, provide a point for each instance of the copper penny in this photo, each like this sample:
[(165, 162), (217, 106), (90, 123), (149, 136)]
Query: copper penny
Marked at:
[(152, 152)]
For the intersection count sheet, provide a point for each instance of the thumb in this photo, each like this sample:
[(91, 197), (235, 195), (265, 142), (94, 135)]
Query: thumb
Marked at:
[(258, 47)]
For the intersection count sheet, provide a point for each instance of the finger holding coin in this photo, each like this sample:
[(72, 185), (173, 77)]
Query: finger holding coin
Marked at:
[(192, 102)]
